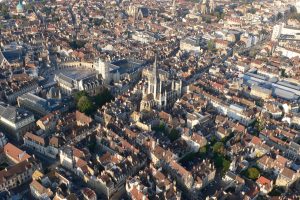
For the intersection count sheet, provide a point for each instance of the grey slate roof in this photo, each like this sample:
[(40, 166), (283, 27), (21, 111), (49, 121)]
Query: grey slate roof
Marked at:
[(14, 114)]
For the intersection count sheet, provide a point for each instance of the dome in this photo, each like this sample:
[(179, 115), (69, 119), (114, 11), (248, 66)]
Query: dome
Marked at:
[(19, 7)]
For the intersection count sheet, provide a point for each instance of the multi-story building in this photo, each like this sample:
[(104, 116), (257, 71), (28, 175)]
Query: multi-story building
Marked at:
[(39, 106), (190, 44), (20, 169), (119, 70), (12, 95), (3, 140), (282, 29), (73, 82), (15, 121), (40, 145)]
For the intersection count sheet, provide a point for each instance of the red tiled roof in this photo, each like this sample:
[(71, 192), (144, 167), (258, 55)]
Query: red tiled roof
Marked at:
[(15, 153)]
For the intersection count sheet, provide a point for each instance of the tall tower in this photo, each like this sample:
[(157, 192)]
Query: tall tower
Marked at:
[(298, 6), (212, 6), (152, 83), (174, 8), (203, 7), (103, 69), (20, 7)]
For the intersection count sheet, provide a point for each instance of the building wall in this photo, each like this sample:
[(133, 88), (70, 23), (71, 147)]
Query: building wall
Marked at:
[(47, 151)]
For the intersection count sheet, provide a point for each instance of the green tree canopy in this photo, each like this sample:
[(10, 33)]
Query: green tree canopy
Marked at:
[(218, 148), (104, 97), (97, 22), (160, 127), (252, 173), (4, 10), (260, 124), (210, 45), (174, 135), (77, 44), (85, 105), (80, 94), (279, 16), (252, 10), (222, 163), (293, 9)]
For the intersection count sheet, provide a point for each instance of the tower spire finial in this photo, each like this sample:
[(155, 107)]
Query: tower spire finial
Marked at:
[(155, 66)]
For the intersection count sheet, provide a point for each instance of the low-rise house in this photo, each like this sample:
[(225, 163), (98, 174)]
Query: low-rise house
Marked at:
[(82, 119), (39, 191), (273, 110), (18, 174), (20, 168), (266, 163), (50, 186), (280, 163), (286, 177), (195, 141), (259, 148), (222, 133), (232, 180), (40, 145), (293, 150), (184, 177), (264, 184), (203, 174), (48, 122), (88, 194)]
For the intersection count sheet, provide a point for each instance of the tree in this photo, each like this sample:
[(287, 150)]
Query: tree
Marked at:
[(210, 45), (97, 22), (279, 16), (77, 44), (293, 9), (221, 163), (174, 135), (104, 97), (225, 165), (259, 124), (253, 52), (252, 173), (283, 73), (203, 150), (85, 105), (252, 10), (277, 191), (80, 94), (4, 10), (160, 128), (218, 148), (207, 20)]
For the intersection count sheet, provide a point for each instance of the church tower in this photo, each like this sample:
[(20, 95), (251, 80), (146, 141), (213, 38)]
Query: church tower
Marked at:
[(154, 79), (203, 7), (212, 6), (298, 6), (174, 8), (19, 7), (103, 69)]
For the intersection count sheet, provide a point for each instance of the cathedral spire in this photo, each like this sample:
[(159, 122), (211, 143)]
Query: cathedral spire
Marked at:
[(174, 8), (155, 66)]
